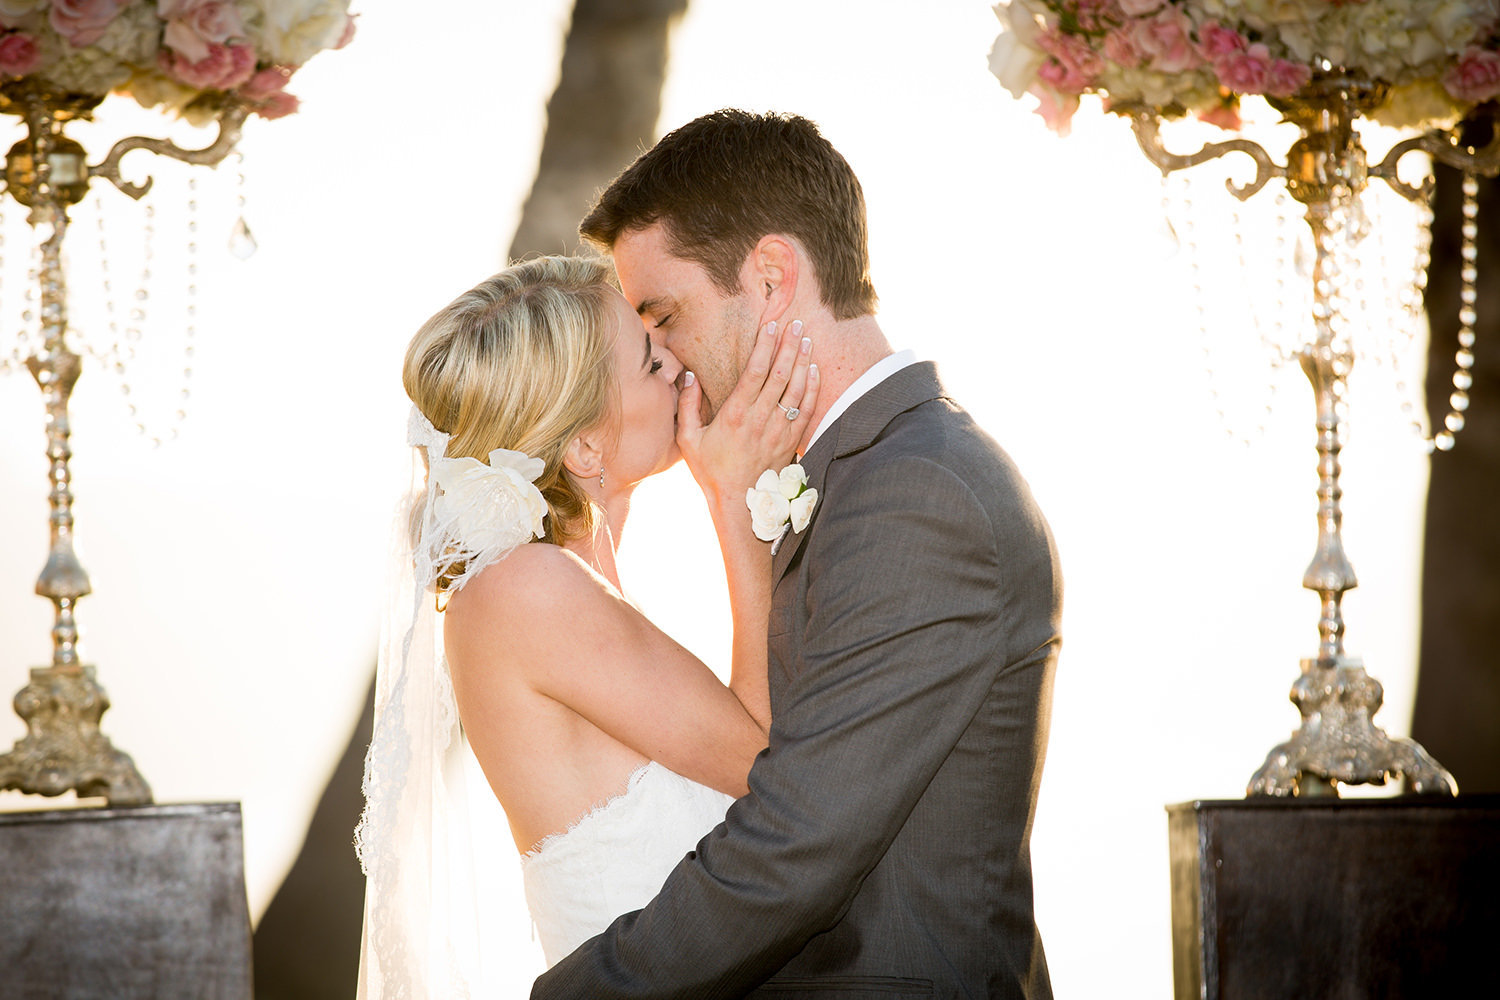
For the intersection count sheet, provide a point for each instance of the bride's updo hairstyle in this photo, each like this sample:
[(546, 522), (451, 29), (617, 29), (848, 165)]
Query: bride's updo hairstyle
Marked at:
[(524, 361)]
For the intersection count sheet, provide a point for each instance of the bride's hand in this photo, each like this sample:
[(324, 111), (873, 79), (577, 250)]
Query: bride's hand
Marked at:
[(760, 424)]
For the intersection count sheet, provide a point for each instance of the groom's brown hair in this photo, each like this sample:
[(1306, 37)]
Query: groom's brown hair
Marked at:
[(722, 181)]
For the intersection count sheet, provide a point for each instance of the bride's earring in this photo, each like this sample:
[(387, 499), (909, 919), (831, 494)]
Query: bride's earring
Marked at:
[(601, 477)]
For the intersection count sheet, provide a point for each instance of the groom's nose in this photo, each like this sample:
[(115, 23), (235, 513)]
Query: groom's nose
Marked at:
[(671, 367)]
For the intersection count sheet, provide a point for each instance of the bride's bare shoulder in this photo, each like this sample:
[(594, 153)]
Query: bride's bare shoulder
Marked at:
[(535, 579)]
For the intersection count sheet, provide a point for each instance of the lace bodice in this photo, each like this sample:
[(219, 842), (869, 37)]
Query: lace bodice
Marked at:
[(615, 858)]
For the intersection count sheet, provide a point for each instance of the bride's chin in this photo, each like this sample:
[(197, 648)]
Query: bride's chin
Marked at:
[(671, 458)]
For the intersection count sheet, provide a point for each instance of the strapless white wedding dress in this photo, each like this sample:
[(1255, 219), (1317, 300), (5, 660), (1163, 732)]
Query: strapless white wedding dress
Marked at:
[(616, 857)]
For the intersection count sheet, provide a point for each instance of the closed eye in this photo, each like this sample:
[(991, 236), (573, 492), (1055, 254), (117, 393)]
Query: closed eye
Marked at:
[(655, 365)]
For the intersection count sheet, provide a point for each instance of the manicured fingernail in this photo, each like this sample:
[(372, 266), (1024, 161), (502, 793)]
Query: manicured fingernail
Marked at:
[(771, 328), (796, 327), (812, 371), (688, 378), (806, 344)]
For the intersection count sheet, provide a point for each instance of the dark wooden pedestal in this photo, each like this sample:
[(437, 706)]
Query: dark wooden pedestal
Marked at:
[(124, 903), (1339, 899)]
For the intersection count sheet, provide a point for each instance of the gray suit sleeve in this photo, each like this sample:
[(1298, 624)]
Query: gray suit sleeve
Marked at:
[(904, 605)]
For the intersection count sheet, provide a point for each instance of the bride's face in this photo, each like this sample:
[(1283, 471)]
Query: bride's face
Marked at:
[(647, 376)]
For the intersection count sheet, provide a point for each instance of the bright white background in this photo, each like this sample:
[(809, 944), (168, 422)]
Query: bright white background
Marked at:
[(237, 569)]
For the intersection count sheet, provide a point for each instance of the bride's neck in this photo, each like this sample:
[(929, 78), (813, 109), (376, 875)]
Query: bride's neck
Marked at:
[(598, 548)]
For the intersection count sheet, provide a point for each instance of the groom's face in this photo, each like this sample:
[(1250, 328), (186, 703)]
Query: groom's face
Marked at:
[(709, 332)]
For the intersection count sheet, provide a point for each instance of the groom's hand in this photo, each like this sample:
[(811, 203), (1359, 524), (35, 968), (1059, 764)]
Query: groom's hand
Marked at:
[(759, 424)]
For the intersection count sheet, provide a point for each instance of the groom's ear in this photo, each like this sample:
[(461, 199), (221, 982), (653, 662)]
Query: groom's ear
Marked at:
[(775, 267), (585, 456)]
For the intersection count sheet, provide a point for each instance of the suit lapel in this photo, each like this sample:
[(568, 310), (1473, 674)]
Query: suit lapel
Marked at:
[(853, 431)]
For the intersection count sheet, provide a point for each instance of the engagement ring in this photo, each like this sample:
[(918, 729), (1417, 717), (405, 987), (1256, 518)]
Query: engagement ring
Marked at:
[(792, 412)]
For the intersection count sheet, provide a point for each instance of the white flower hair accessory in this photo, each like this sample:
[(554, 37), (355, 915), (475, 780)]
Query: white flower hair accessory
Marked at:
[(475, 513), (494, 506), (780, 501)]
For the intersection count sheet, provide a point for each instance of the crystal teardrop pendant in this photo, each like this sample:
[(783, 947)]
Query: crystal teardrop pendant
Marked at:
[(241, 241)]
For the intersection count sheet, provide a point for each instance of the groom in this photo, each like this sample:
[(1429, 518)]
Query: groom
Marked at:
[(883, 850)]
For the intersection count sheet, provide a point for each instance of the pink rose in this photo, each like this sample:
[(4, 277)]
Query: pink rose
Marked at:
[(225, 67), (193, 25), (19, 54), (1120, 48), (1074, 66), (1056, 109), (1475, 77), (1166, 41), (1245, 72), (278, 105), (1285, 78), (1094, 15), (1215, 40), (82, 22), (263, 85)]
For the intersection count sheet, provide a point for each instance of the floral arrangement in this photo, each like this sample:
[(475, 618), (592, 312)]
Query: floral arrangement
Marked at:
[(778, 501), (1438, 57), (190, 57)]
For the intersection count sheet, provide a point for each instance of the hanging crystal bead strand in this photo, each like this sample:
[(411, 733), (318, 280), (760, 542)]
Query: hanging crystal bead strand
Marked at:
[(27, 345), (1288, 228), (1409, 307), (136, 318), (1184, 198), (1468, 298), (1262, 420), (241, 239), (190, 329), (110, 355), (12, 361)]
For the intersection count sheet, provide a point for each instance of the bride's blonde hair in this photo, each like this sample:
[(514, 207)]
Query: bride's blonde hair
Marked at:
[(523, 360)]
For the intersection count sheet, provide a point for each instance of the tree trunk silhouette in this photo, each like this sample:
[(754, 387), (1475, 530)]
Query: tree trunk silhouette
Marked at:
[(1457, 713), (602, 115)]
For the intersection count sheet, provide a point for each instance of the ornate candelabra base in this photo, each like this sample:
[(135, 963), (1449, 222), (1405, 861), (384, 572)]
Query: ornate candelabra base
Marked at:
[(63, 748), (1338, 741)]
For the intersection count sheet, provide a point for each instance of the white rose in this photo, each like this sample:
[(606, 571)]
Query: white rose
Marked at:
[(490, 507), (1014, 59), (522, 471), (791, 480), (802, 508), (769, 510), (290, 32)]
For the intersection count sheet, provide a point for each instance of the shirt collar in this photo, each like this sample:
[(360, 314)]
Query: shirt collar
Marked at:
[(873, 376)]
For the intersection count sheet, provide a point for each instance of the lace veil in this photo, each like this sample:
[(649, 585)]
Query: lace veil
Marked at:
[(421, 923)]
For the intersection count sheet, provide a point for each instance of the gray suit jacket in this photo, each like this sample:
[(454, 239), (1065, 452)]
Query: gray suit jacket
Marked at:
[(883, 850)]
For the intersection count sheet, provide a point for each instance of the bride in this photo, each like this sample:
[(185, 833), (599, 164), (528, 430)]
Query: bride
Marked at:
[(540, 402)]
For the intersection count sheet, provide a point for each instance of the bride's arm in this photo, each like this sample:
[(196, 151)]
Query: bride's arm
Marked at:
[(543, 616), (749, 434)]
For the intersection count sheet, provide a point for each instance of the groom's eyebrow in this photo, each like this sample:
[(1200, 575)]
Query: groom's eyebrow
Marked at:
[(646, 361), (651, 305)]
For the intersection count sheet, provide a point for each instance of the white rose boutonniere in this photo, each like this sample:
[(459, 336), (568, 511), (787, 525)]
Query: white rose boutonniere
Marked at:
[(778, 501), (494, 506)]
